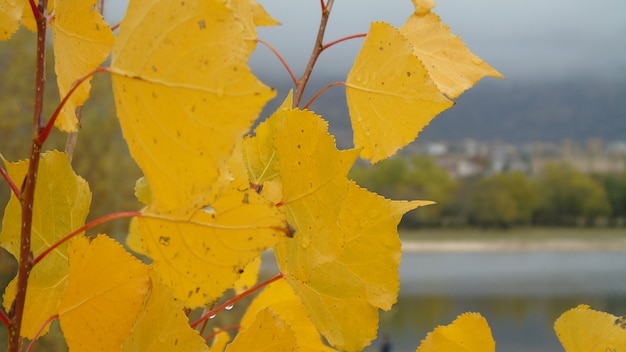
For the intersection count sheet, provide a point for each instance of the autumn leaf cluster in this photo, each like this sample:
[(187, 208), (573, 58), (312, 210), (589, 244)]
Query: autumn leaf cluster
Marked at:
[(217, 195)]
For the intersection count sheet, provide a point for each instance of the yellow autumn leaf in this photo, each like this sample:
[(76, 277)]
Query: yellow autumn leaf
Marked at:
[(328, 261), (281, 299), (62, 201), (10, 16), (390, 95), (162, 325), (82, 41), (584, 329), (244, 10), (469, 332), (260, 16), (249, 277), (201, 256), (220, 340), (142, 191), (268, 332), (28, 19), (133, 240), (361, 279), (450, 64), (106, 291), (259, 152), (314, 183), (184, 95), (423, 6)]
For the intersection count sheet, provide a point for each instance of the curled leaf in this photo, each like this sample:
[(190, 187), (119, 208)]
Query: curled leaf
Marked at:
[(390, 94), (450, 64)]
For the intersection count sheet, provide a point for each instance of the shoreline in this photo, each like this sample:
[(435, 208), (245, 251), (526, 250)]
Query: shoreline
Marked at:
[(515, 245)]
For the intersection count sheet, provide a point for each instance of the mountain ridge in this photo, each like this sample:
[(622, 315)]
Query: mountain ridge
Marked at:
[(516, 112)]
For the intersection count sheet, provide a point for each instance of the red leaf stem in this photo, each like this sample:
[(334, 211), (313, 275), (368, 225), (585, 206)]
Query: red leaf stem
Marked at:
[(226, 328), (4, 318), (89, 225), (5, 175), (35, 10), (46, 131), (234, 300), (328, 45), (282, 60), (322, 91), (43, 326)]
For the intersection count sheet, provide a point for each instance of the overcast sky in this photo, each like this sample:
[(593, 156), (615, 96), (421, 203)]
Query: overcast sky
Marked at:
[(523, 39)]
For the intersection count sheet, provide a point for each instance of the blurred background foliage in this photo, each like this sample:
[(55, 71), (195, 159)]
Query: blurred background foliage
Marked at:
[(100, 155), (559, 196)]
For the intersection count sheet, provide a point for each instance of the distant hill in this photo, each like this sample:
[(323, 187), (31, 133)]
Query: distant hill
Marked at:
[(513, 112)]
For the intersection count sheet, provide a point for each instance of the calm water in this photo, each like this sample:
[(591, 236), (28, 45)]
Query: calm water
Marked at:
[(520, 294)]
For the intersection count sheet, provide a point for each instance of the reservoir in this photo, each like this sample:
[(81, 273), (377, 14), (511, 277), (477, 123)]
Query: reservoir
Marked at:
[(520, 293)]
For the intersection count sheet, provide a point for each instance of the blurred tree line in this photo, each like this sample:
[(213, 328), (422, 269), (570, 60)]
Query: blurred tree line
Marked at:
[(560, 196), (100, 155)]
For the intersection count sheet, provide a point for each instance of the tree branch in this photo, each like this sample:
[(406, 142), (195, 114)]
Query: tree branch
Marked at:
[(317, 50)]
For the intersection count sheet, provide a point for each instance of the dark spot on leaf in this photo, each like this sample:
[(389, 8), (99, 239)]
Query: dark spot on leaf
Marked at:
[(291, 231), (245, 199), (257, 188), (408, 74), (240, 271), (154, 69), (165, 241)]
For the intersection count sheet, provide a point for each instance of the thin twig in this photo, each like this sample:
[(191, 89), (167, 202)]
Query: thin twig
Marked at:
[(354, 36), (87, 226), (282, 60), (5, 175), (35, 11), (322, 91), (4, 318), (235, 299), (317, 50), (226, 328), (72, 137), (46, 131), (43, 326)]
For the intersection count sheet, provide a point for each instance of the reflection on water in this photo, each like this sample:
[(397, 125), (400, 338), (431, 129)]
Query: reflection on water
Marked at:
[(520, 294)]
